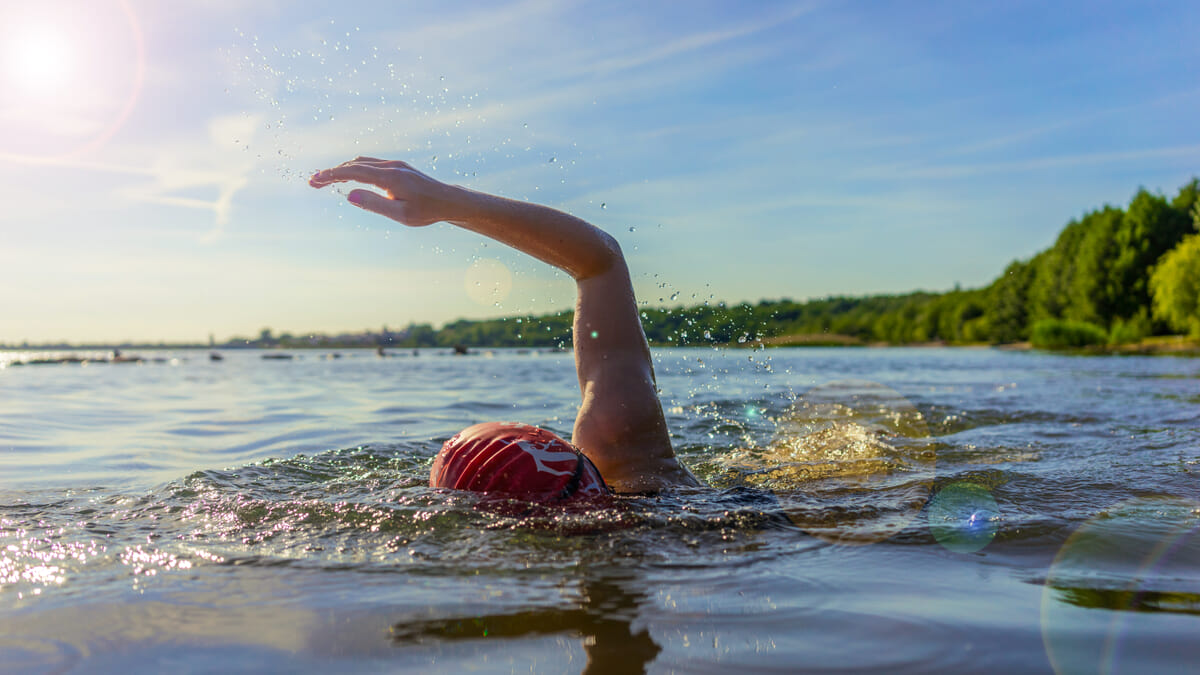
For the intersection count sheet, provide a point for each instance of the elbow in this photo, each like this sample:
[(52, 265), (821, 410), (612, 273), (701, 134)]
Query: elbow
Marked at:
[(605, 255)]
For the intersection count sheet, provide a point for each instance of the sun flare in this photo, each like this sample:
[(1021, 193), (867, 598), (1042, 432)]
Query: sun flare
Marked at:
[(39, 60), (70, 74)]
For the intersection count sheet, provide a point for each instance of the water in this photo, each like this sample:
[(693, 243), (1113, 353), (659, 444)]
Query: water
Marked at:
[(898, 510)]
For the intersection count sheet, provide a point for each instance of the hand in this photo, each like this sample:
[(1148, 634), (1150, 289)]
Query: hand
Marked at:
[(410, 197)]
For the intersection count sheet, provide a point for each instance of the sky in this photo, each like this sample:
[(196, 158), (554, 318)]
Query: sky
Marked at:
[(154, 155)]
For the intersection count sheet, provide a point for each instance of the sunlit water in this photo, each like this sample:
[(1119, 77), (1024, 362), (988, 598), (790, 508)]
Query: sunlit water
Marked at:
[(871, 510)]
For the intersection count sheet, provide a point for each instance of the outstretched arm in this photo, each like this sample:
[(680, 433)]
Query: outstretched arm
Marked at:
[(620, 425)]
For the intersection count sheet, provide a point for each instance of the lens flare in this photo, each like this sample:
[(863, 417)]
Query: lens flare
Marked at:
[(72, 72), (1138, 562), (38, 61), (963, 517)]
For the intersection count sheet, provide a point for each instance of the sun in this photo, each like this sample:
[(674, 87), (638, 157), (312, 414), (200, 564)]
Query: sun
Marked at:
[(39, 60), (70, 74)]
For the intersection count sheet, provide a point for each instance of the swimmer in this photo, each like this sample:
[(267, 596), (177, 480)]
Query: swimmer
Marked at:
[(620, 431)]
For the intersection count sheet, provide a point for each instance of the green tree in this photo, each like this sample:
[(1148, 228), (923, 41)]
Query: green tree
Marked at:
[(1091, 295), (1008, 299), (1175, 285), (1150, 228), (1049, 294), (1188, 197), (959, 318), (418, 335)]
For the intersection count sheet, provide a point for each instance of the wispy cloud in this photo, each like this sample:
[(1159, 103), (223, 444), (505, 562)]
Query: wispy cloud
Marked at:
[(695, 42), (561, 66), (1071, 121), (489, 19), (172, 171), (952, 171)]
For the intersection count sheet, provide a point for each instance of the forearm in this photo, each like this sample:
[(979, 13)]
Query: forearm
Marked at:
[(559, 239)]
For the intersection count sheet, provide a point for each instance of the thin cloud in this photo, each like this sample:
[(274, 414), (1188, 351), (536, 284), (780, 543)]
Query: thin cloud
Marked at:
[(1074, 121), (208, 165), (1035, 164), (71, 163), (482, 22), (551, 76), (695, 42)]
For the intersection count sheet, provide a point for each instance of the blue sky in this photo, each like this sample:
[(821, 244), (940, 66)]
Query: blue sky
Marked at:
[(154, 154)]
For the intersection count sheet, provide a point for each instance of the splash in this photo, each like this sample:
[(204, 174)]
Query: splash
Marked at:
[(849, 462)]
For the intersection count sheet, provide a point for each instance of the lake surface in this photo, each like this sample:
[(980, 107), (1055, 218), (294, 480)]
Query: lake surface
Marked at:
[(871, 510)]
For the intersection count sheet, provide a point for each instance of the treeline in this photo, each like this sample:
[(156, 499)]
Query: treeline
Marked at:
[(1115, 275)]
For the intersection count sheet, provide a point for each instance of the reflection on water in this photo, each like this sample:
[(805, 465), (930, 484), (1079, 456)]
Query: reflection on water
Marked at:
[(1131, 601), (603, 619)]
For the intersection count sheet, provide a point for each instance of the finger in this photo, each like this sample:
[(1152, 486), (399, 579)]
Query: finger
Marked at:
[(362, 173), (377, 203), (375, 161), (380, 163)]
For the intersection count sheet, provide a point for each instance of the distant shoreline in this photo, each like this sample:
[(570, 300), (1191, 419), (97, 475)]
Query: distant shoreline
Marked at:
[(1167, 345), (1162, 345)]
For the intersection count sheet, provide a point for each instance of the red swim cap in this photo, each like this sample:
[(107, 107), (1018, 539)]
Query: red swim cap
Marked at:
[(516, 460)]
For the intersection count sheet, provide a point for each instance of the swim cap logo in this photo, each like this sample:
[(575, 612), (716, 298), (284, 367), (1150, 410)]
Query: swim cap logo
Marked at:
[(540, 456), (592, 489)]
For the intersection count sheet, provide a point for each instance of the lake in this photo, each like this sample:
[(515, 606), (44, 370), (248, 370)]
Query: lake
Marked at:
[(870, 510)]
